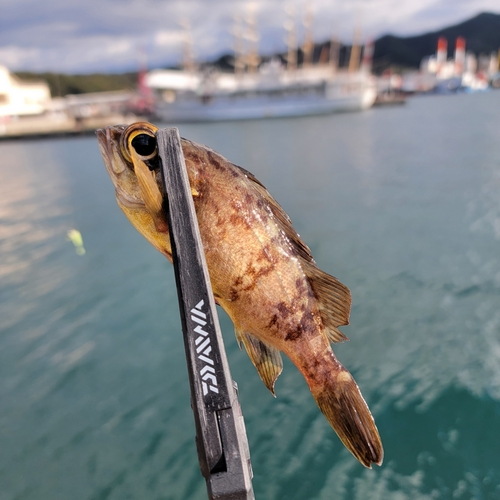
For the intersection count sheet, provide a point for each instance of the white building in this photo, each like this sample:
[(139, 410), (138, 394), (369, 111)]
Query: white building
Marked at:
[(18, 98)]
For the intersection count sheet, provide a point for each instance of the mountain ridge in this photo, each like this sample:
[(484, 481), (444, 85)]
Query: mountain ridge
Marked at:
[(481, 32)]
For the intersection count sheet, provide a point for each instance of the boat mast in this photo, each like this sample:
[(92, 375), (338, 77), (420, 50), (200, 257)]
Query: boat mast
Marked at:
[(355, 52), (334, 53), (253, 58), (188, 58), (291, 59), (239, 62), (308, 47), (366, 64)]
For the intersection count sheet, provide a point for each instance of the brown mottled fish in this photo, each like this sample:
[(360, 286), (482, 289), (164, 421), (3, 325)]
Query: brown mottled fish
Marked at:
[(262, 273)]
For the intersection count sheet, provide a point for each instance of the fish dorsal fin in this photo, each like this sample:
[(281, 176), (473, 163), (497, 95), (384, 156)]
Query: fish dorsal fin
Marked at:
[(265, 358), (334, 298), (282, 219)]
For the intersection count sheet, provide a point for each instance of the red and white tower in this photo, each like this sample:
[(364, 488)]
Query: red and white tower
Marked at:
[(460, 56), (442, 53)]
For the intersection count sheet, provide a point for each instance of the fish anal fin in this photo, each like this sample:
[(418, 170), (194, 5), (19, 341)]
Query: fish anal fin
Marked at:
[(334, 300), (265, 358)]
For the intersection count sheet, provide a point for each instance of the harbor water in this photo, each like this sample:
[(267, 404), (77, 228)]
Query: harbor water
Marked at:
[(401, 204)]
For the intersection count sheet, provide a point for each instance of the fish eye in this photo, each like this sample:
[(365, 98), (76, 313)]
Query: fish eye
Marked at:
[(141, 137), (144, 144)]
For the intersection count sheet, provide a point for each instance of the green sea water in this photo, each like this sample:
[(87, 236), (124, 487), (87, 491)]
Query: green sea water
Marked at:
[(401, 204)]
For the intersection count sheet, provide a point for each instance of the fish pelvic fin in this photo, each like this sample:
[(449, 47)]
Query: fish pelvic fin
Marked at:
[(265, 358), (341, 402)]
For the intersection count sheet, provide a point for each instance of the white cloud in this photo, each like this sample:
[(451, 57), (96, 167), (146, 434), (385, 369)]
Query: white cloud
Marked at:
[(169, 38), (117, 47), (18, 57)]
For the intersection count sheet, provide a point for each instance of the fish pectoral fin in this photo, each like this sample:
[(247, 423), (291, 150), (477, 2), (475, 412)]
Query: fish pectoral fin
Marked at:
[(151, 194), (146, 179), (334, 300), (265, 358)]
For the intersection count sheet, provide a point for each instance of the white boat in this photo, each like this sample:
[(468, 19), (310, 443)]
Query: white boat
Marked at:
[(265, 90), (272, 92)]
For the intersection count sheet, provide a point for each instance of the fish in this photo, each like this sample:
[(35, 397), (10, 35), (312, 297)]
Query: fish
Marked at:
[(262, 274)]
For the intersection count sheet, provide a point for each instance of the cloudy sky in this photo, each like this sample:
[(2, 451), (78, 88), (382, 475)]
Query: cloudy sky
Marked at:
[(110, 35)]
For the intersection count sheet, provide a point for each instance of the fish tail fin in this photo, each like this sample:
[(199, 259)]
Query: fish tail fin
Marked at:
[(340, 400)]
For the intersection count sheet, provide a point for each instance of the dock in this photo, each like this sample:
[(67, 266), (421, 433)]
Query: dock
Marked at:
[(54, 125)]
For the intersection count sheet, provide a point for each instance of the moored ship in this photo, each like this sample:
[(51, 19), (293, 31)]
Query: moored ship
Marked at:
[(272, 92)]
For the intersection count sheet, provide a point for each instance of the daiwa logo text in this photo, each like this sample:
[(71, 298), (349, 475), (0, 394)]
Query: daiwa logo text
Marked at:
[(203, 350)]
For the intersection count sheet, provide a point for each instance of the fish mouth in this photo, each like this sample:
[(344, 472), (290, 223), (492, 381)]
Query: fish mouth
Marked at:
[(109, 143), (119, 170)]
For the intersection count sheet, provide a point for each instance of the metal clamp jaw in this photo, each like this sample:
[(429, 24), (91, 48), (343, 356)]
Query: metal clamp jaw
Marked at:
[(220, 431)]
